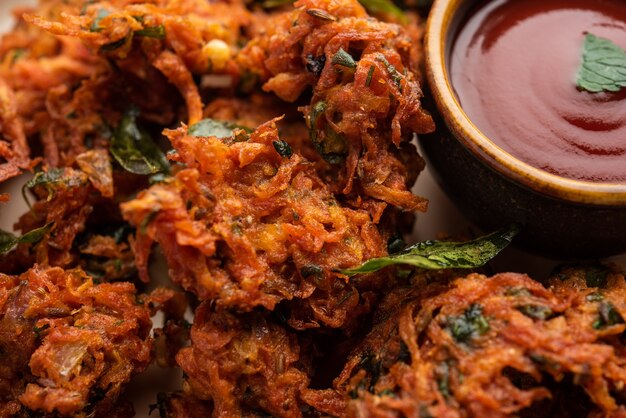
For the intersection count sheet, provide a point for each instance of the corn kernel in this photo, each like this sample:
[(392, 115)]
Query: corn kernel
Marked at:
[(217, 54)]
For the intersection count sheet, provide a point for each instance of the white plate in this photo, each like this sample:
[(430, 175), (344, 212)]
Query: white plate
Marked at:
[(442, 216)]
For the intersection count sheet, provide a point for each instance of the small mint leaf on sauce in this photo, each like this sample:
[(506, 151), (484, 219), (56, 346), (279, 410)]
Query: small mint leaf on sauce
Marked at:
[(603, 67)]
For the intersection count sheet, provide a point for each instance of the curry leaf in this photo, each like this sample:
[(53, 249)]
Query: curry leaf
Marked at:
[(8, 241), (50, 180), (216, 128), (134, 149), (435, 255), (386, 7), (603, 67)]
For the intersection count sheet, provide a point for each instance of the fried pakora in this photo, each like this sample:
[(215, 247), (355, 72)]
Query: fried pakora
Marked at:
[(247, 222), (84, 226), (69, 345), (171, 39), (499, 346), (243, 364), (365, 101)]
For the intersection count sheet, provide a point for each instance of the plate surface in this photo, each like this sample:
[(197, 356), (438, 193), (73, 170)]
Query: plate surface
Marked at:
[(442, 216)]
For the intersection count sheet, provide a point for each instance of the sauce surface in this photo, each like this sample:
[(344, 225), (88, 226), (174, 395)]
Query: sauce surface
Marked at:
[(513, 67)]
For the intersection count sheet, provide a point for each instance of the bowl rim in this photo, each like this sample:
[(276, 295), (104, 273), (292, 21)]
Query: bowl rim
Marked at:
[(441, 16)]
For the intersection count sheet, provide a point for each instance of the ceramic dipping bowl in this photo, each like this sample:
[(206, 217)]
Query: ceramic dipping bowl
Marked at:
[(563, 218)]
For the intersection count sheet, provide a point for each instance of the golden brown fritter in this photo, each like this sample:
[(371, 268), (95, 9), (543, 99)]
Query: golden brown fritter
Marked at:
[(69, 346), (176, 39), (50, 90), (244, 225), (243, 365), (499, 346), (366, 95), (85, 227)]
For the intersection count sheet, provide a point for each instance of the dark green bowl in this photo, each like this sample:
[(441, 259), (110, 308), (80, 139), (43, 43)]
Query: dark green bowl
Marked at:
[(562, 217)]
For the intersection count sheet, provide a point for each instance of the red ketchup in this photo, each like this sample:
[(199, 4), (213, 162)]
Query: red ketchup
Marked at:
[(513, 67)]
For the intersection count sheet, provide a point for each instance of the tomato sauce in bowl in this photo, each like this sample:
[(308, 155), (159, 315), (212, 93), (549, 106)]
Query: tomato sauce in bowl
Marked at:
[(513, 66)]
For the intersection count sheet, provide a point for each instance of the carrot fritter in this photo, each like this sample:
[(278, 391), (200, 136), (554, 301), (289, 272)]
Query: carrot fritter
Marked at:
[(497, 347), (243, 365), (176, 39), (244, 225), (49, 87), (68, 345), (85, 226), (366, 96)]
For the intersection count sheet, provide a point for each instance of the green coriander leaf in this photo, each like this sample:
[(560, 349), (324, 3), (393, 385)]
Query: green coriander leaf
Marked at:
[(343, 59), (386, 7), (603, 66), (370, 73), (607, 316), (216, 128), (393, 72), (95, 25), (311, 270), (46, 178), (112, 46), (50, 180), (536, 311), (472, 323), (436, 255), (283, 148), (8, 241), (331, 146), (157, 32), (134, 149)]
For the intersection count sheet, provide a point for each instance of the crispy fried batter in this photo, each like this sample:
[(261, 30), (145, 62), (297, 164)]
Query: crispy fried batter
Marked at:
[(176, 38), (248, 227), (85, 226), (69, 345), (496, 347), (243, 365), (366, 96), (40, 82)]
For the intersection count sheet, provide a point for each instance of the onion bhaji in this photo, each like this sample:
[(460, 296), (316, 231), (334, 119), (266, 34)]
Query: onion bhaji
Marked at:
[(499, 346), (69, 345)]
